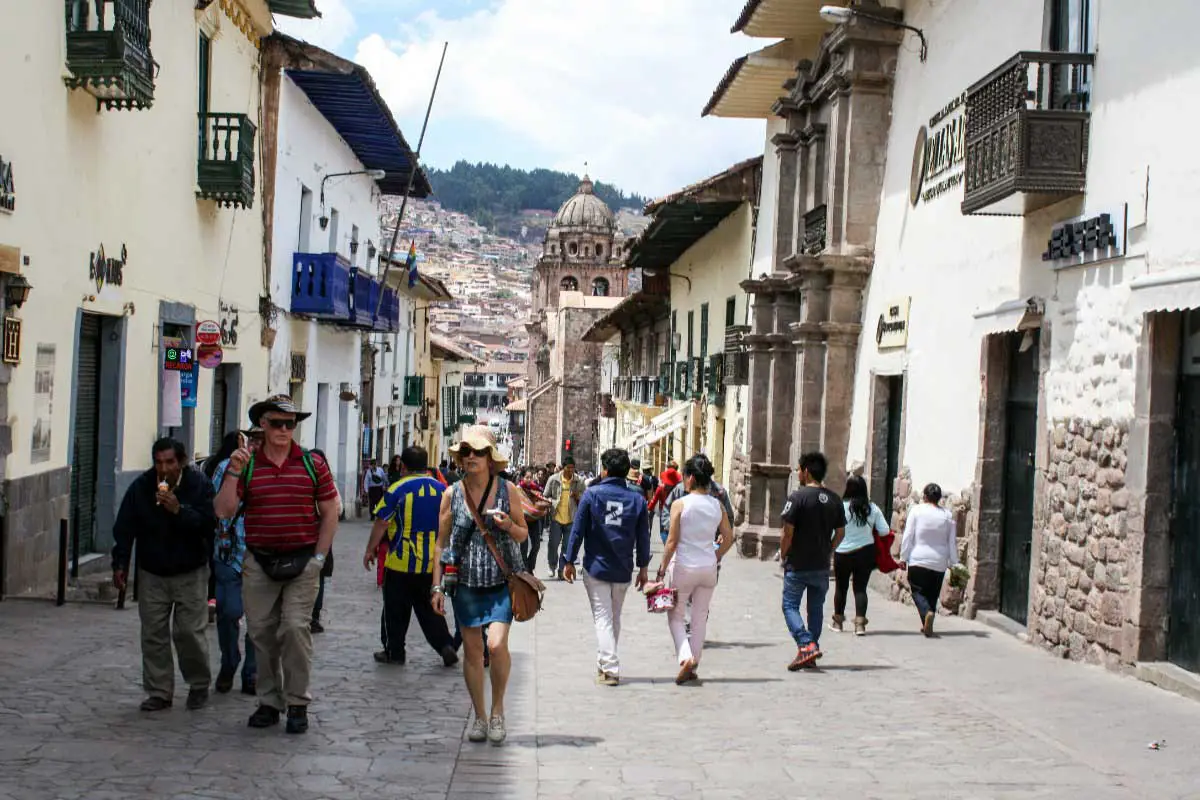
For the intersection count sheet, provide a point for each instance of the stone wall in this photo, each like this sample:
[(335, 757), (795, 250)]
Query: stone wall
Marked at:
[(541, 428), (904, 496), (1083, 564), (36, 504)]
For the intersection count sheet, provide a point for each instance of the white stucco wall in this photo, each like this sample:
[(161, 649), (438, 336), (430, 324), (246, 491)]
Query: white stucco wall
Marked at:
[(951, 265), (112, 178), (764, 239)]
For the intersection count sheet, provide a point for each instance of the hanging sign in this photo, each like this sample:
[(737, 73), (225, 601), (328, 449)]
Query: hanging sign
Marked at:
[(209, 356), (187, 386), (177, 355), (208, 332)]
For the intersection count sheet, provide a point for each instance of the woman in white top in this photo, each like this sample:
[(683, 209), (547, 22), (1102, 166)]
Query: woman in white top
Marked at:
[(927, 550), (700, 535), (854, 558)]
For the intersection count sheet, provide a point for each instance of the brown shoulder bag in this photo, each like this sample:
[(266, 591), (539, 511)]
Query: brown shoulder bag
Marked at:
[(524, 588)]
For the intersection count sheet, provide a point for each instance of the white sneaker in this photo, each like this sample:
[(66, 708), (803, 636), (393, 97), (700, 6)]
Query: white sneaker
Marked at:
[(496, 733), (478, 732)]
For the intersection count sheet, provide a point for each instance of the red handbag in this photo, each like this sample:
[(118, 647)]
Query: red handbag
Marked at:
[(883, 553)]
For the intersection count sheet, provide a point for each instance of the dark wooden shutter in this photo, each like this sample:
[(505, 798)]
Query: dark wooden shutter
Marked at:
[(220, 392), (87, 425)]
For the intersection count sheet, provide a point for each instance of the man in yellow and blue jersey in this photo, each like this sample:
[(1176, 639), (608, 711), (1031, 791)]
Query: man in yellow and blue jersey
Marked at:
[(408, 516)]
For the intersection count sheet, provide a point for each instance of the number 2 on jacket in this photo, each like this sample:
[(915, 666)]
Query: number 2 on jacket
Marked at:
[(612, 513)]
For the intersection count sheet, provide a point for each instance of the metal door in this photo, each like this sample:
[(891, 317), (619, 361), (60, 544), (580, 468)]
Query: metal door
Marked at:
[(895, 410), (85, 435), (1019, 465), (1183, 633)]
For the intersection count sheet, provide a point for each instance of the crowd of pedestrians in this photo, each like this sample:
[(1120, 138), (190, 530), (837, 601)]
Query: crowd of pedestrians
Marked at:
[(259, 519)]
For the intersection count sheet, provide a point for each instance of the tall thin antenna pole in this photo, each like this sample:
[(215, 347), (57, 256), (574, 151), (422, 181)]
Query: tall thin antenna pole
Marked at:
[(412, 177)]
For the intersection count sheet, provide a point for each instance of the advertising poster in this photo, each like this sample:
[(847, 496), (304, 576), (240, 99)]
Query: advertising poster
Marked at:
[(43, 403), (188, 382)]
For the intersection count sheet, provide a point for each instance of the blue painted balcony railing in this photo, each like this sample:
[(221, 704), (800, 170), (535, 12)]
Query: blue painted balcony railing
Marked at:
[(321, 286), (388, 319), (364, 295)]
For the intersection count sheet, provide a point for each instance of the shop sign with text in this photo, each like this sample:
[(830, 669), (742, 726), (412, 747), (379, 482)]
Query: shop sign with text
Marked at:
[(940, 153), (892, 329)]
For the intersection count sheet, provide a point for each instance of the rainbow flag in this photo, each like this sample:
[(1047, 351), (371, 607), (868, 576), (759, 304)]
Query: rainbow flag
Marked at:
[(411, 264)]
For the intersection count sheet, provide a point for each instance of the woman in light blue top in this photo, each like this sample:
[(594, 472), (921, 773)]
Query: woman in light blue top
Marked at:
[(854, 558)]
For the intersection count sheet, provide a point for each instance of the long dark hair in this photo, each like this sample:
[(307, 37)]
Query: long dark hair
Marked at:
[(858, 499), (228, 445), (700, 469)]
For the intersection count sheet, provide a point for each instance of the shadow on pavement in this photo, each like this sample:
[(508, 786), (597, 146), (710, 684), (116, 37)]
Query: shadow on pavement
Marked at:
[(851, 667), (553, 740), (936, 635), (742, 645)]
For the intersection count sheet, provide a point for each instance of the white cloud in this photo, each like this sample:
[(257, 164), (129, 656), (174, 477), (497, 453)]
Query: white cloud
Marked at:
[(619, 84), (330, 31)]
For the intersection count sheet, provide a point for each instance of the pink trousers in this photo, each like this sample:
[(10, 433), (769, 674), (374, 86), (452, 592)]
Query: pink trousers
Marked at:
[(697, 586)]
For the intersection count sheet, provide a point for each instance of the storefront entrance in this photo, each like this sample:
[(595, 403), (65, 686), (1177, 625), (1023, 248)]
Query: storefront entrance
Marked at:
[(1019, 468), (1183, 632)]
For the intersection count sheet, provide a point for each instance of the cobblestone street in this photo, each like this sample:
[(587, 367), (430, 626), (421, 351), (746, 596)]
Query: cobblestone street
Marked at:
[(972, 714)]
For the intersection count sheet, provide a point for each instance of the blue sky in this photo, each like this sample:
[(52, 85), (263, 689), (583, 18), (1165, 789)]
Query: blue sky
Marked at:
[(618, 84)]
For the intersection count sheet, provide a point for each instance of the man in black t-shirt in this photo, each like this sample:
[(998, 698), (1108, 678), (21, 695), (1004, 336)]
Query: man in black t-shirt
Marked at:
[(814, 522)]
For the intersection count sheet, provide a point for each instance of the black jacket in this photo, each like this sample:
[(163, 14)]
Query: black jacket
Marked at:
[(168, 544)]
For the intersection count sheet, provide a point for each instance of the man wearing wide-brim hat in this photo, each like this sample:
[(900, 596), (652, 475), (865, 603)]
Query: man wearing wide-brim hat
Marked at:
[(290, 510)]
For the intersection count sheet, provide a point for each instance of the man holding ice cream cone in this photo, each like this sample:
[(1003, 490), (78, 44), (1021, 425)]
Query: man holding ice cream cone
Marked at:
[(168, 511)]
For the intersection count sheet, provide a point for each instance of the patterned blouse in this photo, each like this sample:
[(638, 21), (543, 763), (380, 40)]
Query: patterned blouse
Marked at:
[(476, 567)]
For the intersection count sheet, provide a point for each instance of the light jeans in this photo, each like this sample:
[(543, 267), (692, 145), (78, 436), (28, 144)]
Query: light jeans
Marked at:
[(695, 587), (607, 599)]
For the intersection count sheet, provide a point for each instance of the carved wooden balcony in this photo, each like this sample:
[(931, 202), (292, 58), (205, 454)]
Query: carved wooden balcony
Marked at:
[(108, 51), (226, 167), (1027, 133)]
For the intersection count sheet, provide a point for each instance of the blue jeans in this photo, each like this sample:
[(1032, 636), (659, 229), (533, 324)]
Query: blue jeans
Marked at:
[(229, 614), (795, 584)]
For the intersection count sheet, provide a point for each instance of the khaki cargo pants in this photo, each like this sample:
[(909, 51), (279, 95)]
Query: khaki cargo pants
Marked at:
[(277, 618), (182, 599)]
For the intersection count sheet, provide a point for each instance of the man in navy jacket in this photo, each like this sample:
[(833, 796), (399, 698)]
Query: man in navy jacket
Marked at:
[(611, 524)]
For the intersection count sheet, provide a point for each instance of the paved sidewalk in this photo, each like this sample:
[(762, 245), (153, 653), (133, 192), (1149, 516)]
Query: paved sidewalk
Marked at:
[(972, 714)]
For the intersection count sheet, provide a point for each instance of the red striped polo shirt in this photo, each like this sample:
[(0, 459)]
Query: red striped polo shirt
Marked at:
[(281, 513)]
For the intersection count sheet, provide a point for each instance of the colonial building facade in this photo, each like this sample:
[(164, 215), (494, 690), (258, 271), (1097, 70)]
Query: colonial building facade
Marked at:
[(823, 172), (1032, 309), (332, 151), (576, 280), (128, 194), (677, 386)]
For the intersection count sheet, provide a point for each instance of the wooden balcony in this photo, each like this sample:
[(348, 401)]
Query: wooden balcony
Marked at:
[(108, 52), (1027, 133), (225, 172)]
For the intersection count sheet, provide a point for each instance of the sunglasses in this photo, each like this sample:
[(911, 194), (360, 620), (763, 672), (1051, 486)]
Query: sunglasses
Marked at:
[(466, 451), (280, 424)]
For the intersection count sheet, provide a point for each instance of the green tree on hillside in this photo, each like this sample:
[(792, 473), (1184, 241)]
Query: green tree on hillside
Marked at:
[(488, 191)]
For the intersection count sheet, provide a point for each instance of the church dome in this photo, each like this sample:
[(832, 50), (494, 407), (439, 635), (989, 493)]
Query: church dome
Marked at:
[(584, 210)]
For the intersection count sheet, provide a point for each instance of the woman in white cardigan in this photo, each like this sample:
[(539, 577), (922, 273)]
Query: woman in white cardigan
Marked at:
[(927, 551)]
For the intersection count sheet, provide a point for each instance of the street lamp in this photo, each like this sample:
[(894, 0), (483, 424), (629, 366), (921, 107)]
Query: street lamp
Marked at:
[(838, 15), (374, 174), (16, 292)]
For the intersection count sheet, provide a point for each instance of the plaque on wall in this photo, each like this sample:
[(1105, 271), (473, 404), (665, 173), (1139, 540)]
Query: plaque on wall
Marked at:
[(891, 331)]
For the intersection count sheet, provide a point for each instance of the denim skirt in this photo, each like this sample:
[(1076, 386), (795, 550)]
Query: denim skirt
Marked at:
[(476, 607)]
